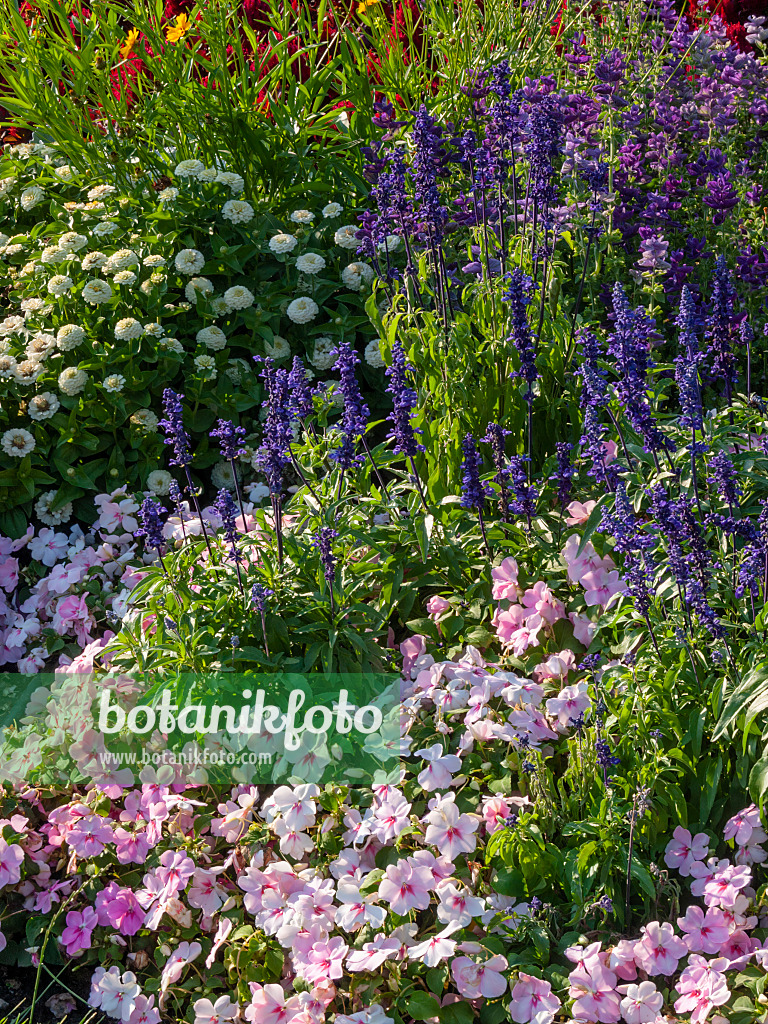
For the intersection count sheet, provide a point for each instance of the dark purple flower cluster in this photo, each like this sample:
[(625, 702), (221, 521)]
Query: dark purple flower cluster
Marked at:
[(323, 541), (274, 454), (226, 510), (494, 436), (726, 478), (404, 399), (473, 491), (525, 494), (518, 296), (150, 523), (720, 328), (300, 401), (354, 417), (230, 439), (173, 427)]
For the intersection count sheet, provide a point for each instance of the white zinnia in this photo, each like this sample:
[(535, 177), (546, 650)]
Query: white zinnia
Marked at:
[(114, 383), (234, 182), (72, 380), (154, 330), (206, 365), (189, 168), (27, 371), (53, 254), (7, 366), (170, 345), (17, 442), (391, 244), (96, 291), (212, 337), (321, 357), (126, 277), (302, 217), (159, 482), (356, 275), (331, 210), (310, 263), (302, 310), (40, 346), (99, 192), (44, 513), (69, 336), (168, 195), (145, 419), (278, 349), (282, 243), (372, 354), (345, 236), (189, 261), (120, 260), (198, 285), (43, 406), (238, 297), (72, 242), (30, 197), (93, 260), (65, 172), (59, 285), (154, 260), (107, 227), (222, 476), (237, 211), (128, 329)]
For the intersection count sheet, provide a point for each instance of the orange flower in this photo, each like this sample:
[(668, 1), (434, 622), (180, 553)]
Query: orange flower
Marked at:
[(127, 48), (175, 32), (363, 6)]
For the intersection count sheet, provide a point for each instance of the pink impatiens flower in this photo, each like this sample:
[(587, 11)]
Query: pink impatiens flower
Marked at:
[(570, 703), (659, 950), (593, 987), (406, 887), (741, 825), (450, 831), (437, 608), (207, 1012), (579, 512), (479, 980), (79, 928), (700, 992), (533, 1000), (505, 585), (11, 857), (641, 1003), (705, 932), (682, 850), (89, 835), (602, 586)]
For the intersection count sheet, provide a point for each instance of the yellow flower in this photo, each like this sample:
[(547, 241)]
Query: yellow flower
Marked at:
[(127, 48), (363, 6), (175, 32)]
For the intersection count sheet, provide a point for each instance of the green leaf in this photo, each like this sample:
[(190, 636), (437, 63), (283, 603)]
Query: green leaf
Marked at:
[(758, 781), (421, 1006), (456, 1013)]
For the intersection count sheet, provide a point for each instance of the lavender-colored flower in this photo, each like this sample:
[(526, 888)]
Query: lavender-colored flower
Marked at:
[(174, 493), (473, 491), (354, 418), (404, 398), (301, 404), (150, 523), (173, 427), (518, 297), (653, 254), (230, 439), (594, 390), (259, 596), (722, 195), (427, 159), (274, 454), (227, 511), (323, 541)]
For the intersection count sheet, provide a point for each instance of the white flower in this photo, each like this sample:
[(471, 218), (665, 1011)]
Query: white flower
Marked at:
[(99, 192), (106, 227), (93, 260), (170, 345), (120, 260), (126, 277), (278, 349), (310, 263), (222, 476), (212, 337), (153, 261), (43, 406), (53, 254), (154, 330), (302, 310), (206, 365), (27, 371), (31, 306), (59, 285), (40, 346), (321, 357), (372, 354), (114, 383), (302, 217), (65, 172), (72, 380), (72, 242), (167, 195), (159, 482), (12, 324), (189, 261), (96, 291), (49, 517), (257, 493), (189, 168), (282, 243), (30, 197), (234, 182), (128, 329), (392, 244), (208, 174), (345, 236), (197, 285), (238, 297), (17, 443), (6, 184), (13, 250), (69, 336), (237, 211), (7, 366), (146, 420), (332, 210), (356, 275)]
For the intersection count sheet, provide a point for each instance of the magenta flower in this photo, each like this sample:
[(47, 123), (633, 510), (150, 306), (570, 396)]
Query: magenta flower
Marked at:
[(437, 608), (682, 850), (77, 935), (741, 825), (601, 587), (124, 912), (700, 992), (89, 835), (269, 1005), (724, 886), (705, 932), (175, 870), (533, 1000), (11, 858), (131, 847), (659, 949), (479, 980)]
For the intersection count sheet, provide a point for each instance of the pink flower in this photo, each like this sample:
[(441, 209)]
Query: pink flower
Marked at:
[(131, 847), (723, 888), (89, 835), (11, 858), (437, 607), (175, 871), (542, 601), (505, 585), (412, 649), (450, 831), (682, 850), (495, 812), (659, 949), (512, 631), (621, 960), (571, 702), (406, 887), (125, 913), (741, 825), (324, 960), (479, 980), (594, 994), (642, 1003), (611, 451), (437, 948), (77, 934), (601, 586), (557, 666), (532, 999), (700, 992), (207, 1012), (579, 512), (706, 932), (584, 628), (114, 993), (269, 1006), (438, 773), (205, 893), (144, 1011)]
